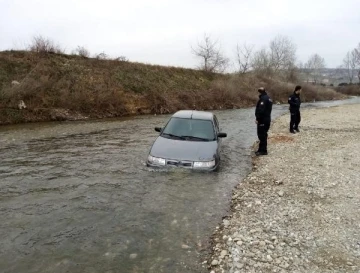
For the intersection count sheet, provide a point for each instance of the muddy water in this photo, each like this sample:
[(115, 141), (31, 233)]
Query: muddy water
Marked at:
[(77, 197)]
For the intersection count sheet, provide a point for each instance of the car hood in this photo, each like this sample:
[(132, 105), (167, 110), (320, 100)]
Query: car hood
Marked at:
[(184, 150)]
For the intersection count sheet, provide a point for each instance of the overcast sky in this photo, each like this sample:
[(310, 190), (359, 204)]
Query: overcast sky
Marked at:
[(162, 31)]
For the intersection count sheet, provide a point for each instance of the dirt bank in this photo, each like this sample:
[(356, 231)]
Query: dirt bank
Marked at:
[(69, 87), (299, 210)]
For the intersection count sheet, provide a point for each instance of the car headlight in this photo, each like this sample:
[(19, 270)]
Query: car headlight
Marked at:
[(204, 164), (156, 160)]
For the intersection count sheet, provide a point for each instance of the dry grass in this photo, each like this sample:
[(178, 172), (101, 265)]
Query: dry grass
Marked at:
[(243, 88), (108, 88), (351, 90)]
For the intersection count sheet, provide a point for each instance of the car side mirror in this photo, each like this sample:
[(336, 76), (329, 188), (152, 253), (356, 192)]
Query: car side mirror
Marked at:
[(158, 129), (222, 135)]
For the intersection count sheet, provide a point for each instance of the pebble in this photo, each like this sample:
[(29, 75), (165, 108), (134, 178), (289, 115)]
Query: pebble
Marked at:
[(280, 237), (215, 262), (284, 265), (133, 256), (223, 253)]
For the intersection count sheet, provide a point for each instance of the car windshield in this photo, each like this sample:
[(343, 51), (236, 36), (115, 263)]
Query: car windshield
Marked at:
[(189, 129)]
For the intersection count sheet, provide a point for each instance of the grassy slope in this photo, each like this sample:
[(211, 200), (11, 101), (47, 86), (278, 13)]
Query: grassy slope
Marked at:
[(60, 87)]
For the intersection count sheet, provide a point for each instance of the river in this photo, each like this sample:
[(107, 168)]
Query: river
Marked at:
[(77, 196)]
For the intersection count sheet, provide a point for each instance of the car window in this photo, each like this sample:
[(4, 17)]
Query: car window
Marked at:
[(196, 128)]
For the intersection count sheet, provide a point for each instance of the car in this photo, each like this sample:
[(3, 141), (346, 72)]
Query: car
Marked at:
[(190, 139)]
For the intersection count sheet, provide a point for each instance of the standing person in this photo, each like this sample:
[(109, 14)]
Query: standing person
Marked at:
[(295, 117), (263, 120)]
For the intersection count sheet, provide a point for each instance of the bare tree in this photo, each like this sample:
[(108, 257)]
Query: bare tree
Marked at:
[(278, 60), (357, 58), (244, 54), (316, 63), (303, 68), (212, 58), (82, 51), (282, 54), (261, 62), (350, 64)]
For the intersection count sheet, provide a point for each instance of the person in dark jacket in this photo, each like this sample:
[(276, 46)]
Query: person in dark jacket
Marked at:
[(263, 120), (295, 117)]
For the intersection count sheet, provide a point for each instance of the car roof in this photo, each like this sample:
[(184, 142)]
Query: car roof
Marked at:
[(193, 114)]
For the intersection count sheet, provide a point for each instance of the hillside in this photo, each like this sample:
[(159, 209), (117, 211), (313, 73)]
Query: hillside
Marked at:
[(66, 87)]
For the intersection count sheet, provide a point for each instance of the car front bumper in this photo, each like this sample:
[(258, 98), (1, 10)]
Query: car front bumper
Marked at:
[(172, 166)]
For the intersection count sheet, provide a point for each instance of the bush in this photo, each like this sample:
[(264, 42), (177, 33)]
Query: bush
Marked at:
[(242, 90), (351, 90), (82, 52), (101, 56), (41, 44), (121, 59), (319, 93)]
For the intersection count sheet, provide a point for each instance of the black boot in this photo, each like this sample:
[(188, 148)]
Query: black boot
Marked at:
[(292, 131), (258, 153), (297, 130)]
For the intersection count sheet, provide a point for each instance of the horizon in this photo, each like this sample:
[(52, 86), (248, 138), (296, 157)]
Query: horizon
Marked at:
[(162, 33)]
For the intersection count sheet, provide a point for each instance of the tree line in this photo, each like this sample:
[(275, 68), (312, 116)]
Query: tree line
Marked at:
[(351, 64), (277, 60)]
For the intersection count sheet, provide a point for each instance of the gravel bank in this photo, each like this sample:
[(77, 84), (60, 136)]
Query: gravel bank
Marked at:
[(299, 210)]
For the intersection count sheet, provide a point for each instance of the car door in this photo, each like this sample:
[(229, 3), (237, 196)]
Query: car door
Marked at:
[(219, 140)]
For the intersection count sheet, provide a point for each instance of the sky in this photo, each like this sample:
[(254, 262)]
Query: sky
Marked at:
[(163, 31)]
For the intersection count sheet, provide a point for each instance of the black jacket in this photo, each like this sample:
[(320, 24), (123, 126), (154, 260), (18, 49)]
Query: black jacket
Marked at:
[(263, 109), (295, 102)]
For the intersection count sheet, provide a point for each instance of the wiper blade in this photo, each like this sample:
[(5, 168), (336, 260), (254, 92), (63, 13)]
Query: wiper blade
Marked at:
[(171, 135), (194, 137)]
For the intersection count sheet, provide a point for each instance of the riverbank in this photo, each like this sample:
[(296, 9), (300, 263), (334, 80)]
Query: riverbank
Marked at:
[(59, 87), (299, 210)]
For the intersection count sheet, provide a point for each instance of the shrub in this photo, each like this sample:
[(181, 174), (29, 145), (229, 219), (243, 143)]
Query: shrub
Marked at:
[(41, 44), (82, 52), (352, 90)]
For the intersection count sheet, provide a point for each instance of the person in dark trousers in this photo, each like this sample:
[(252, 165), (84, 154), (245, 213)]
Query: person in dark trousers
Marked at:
[(263, 120), (295, 117)]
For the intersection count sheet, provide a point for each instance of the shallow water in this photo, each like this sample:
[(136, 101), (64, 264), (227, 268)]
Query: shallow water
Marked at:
[(77, 196)]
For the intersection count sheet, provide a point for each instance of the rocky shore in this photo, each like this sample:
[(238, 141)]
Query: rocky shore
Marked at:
[(299, 210)]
